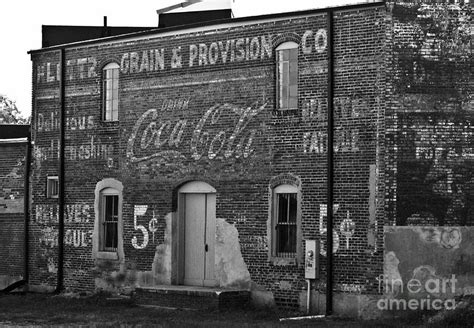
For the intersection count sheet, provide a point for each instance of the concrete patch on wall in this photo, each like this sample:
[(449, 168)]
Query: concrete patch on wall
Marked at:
[(260, 297), (161, 266), (115, 277), (123, 276), (11, 190), (391, 273), (230, 268), (7, 280), (347, 305), (433, 262), (11, 203)]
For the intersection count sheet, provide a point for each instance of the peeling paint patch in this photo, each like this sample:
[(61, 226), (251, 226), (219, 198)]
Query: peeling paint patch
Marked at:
[(447, 237), (285, 285), (230, 268), (392, 274)]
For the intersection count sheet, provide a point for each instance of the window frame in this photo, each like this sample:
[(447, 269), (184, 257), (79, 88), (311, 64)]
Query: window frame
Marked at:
[(291, 49), (111, 83), (104, 188), (52, 181), (106, 194), (278, 257)]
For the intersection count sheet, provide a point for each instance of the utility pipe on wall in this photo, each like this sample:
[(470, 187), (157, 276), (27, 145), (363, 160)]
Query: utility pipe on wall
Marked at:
[(330, 163), (308, 297), (26, 206), (61, 196)]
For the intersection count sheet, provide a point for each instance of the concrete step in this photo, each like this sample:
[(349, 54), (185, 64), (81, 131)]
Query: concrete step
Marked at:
[(191, 297)]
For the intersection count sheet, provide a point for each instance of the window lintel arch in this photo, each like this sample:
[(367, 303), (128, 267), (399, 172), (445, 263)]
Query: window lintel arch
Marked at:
[(196, 187), (285, 189), (287, 45), (110, 65)]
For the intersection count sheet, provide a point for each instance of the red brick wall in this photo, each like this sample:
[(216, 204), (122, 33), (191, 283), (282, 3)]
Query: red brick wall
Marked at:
[(12, 172), (431, 114), (243, 145)]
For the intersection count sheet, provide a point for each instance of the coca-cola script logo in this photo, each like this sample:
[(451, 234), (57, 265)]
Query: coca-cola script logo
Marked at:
[(152, 137)]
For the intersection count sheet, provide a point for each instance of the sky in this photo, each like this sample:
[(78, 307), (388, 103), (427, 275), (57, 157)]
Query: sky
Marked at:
[(21, 21)]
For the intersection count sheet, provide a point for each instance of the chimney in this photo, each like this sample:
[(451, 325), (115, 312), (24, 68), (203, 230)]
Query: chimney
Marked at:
[(200, 11), (105, 29)]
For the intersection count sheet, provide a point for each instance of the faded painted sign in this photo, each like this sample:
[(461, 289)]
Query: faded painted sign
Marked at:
[(436, 156), (200, 54), (154, 138), (95, 148), (47, 217), (50, 122), (139, 210), (142, 238), (346, 139), (345, 228)]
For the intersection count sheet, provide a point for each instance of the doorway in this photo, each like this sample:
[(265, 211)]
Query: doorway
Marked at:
[(197, 213)]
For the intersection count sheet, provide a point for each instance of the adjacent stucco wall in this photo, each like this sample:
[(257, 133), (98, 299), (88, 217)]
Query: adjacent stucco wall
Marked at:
[(424, 253)]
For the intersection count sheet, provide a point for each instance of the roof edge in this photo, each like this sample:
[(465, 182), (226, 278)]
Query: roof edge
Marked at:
[(209, 23), (13, 140)]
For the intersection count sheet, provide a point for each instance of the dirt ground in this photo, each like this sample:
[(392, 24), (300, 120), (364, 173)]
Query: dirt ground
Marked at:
[(40, 310)]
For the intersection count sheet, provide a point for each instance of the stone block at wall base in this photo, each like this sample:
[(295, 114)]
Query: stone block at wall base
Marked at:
[(43, 288), (344, 304), (262, 299)]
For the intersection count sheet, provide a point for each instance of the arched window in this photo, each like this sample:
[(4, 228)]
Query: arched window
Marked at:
[(107, 239), (110, 95), (287, 75), (285, 213)]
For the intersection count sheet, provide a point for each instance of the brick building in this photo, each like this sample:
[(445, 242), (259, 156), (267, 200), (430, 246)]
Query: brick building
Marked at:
[(198, 154), (13, 153)]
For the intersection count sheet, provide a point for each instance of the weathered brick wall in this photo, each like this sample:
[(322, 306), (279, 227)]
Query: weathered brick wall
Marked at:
[(12, 172), (431, 114), (212, 117), (43, 228)]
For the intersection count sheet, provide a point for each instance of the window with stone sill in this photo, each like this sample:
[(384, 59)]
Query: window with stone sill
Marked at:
[(285, 224), (108, 224), (109, 218)]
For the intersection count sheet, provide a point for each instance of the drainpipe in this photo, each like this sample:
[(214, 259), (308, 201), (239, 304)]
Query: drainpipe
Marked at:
[(60, 276), (330, 164), (26, 204)]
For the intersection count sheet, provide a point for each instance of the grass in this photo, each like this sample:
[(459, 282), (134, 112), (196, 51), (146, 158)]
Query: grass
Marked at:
[(99, 311)]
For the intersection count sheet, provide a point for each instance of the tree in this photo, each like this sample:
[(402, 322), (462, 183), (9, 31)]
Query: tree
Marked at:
[(9, 113)]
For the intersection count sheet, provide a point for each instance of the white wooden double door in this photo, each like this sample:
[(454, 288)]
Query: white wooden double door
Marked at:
[(199, 218)]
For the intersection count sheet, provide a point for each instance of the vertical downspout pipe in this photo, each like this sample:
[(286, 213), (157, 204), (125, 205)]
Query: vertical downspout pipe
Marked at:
[(26, 208), (330, 163), (60, 276)]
